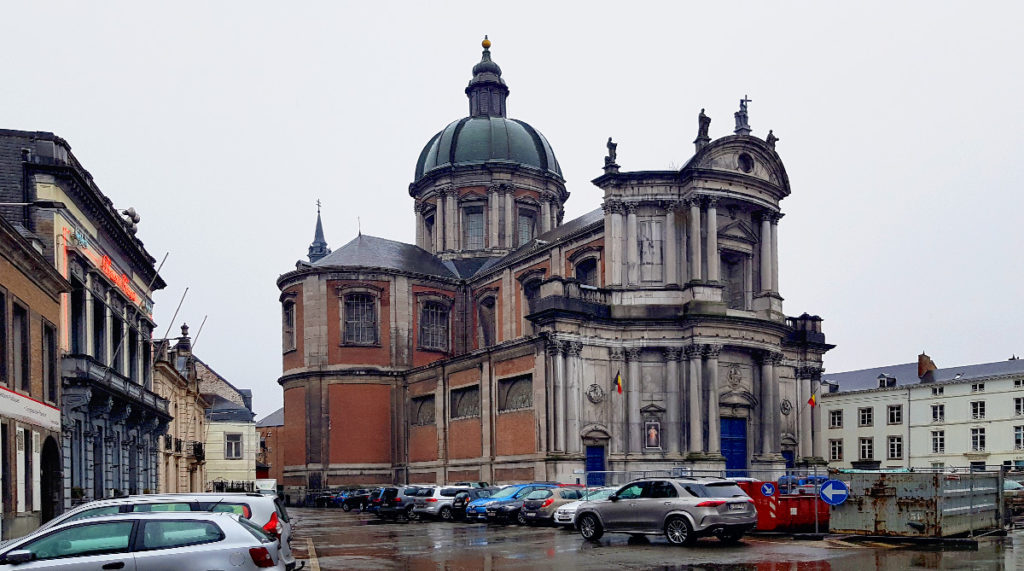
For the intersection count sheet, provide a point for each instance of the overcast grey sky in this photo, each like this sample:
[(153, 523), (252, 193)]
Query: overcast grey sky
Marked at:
[(222, 122)]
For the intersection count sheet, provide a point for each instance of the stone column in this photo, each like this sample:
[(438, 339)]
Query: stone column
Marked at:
[(806, 381), (452, 220), (696, 430), (632, 389), (713, 256), (693, 239), (90, 345), (556, 350), (613, 242), (439, 222), (545, 214), (417, 213), (632, 253), (672, 431), (766, 253), (554, 213), (748, 281), (493, 216), (617, 402), (714, 418), (671, 276), (573, 392), (775, 251), (768, 410), (776, 402), (510, 220)]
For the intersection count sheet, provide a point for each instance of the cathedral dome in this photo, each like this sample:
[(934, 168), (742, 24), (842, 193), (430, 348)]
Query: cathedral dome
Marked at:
[(479, 140), (487, 136)]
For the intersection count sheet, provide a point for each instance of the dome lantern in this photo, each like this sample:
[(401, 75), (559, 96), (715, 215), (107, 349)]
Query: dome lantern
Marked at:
[(487, 90)]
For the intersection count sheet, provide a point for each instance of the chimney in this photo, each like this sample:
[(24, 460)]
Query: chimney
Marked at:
[(926, 368)]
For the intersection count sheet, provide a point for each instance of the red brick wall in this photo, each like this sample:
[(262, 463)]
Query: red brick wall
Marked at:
[(360, 429), (422, 443), (464, 438), (463, 378), (517, 366), (294, 443), (294, 359), (273, 437), (514, 475), (516, 433), (464, 475), (358, 355)]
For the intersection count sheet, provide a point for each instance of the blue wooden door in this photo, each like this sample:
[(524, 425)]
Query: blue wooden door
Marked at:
[(790, 457), (595, 463), (734, 445)]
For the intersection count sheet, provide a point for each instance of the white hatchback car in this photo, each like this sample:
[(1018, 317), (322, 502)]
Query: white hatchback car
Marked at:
[(565, 515), (146, 542)]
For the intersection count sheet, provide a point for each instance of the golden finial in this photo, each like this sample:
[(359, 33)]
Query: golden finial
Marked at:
[(486, 43)]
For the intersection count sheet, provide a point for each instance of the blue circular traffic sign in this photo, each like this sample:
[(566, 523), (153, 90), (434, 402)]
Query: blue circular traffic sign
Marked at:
[(834, 492), (768, 489)]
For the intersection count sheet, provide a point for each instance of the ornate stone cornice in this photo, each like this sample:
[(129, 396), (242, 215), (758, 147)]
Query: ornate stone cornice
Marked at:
[(812, 372), (670, 354), (775, 217)]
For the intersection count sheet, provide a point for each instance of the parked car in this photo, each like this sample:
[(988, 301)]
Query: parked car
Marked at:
[(398, 503), (565, 515), (506, 505), (539, 507), (462, 499), (682, 509), (267, 512), (353, 499), (436, 501), (372, 504), (155, 541)]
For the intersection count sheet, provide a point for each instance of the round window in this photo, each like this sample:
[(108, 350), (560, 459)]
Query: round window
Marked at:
[(746, 162)]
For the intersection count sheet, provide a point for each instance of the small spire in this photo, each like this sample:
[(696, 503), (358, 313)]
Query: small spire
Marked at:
[(318, 249)]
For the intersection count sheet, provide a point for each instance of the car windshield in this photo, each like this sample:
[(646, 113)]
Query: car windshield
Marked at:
[(539, 495), (724, 490), (599, 494), (506, 492)]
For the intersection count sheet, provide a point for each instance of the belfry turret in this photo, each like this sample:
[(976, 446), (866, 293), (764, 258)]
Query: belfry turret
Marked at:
[(318, 249)]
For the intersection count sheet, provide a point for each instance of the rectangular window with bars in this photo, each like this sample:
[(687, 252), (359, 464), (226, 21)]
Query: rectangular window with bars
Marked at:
[(434, 326), (360, 319), (473, 228), (525, 228)]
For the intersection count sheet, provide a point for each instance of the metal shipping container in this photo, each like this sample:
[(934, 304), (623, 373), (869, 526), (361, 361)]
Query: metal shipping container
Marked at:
[(919, 504)]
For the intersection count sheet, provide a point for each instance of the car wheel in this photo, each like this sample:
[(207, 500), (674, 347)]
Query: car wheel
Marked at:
[(679, 532), (446, 513), (346, 507), (730, 537), (411, 515), (590, 527), (521, 518)]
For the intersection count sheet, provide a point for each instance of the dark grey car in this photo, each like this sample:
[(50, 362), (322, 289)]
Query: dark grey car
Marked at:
[(682, 509)]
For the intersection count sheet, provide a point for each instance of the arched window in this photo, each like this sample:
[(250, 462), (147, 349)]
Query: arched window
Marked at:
[(422, 410), (515, 393), (434, 326), (586, 272), (360, 319)]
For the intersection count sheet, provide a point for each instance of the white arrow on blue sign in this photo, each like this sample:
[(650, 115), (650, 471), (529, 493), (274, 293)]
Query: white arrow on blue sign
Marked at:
[(768, 489), (834, 492)]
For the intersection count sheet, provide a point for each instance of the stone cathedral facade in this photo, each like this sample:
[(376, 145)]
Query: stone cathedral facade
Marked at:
[(509, 344)]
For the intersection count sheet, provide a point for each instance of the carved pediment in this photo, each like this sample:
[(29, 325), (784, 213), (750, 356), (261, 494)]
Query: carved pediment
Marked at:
[(737, 230)]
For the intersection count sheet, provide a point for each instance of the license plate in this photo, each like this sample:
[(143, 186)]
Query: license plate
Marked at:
[(531, 514), (736, 507)]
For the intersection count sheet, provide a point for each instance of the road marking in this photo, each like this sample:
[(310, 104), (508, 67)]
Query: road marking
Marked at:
[(314, 563)]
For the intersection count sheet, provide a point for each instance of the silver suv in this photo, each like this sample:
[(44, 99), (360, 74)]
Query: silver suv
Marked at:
[(436, 501), (681, 508), (265, 511)]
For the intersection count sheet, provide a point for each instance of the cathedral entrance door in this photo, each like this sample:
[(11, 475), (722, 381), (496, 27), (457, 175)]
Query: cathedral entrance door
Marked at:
[(734, 445), (595, 464)]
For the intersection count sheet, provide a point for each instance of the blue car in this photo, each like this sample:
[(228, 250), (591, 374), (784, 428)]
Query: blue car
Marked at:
[(505, 505)]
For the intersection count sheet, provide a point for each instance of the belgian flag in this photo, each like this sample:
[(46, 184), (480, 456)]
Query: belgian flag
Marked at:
[(618, 381)]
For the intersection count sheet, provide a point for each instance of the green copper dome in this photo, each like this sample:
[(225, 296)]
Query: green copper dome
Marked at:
[(481, 140), (487, 136)]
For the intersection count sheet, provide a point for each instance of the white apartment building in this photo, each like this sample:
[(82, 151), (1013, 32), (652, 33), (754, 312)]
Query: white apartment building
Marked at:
[(957, 417)]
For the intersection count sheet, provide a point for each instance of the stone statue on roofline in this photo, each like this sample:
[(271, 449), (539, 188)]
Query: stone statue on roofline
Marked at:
[(771, 139)]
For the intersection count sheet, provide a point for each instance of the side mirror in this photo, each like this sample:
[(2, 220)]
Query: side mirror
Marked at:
[(19, 556), (613, 497)]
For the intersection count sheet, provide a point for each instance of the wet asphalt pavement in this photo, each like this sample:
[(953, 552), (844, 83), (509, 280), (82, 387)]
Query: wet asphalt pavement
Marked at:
[(331, 539)]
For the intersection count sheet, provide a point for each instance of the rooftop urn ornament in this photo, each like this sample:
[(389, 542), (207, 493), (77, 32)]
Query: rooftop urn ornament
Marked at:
[(771, 139), (742, 124), (703, 122), (610, 166)]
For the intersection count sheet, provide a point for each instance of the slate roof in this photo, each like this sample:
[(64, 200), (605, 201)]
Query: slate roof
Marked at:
[(223, 410), (275, 418), (906, 374), (372, 252)]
